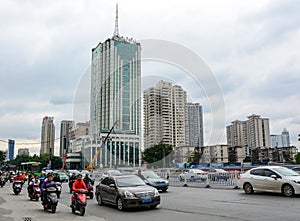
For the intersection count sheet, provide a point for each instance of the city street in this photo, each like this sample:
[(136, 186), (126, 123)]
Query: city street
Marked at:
[(179, 203)]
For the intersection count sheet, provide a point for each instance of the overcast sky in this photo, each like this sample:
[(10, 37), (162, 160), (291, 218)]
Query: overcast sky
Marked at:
[(251, 46)]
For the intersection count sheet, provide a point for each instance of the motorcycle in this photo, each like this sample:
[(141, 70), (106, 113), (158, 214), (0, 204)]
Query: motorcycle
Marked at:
[(50, 200), (90, 190), (78, 202), (2, 181), (17, 186), (36, 192), (59, 187)]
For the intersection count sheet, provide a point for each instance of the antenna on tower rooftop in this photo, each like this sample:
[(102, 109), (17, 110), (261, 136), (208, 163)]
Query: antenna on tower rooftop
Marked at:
[(116, 32)]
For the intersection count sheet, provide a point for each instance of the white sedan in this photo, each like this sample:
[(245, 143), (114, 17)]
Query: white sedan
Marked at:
[(270, 179), (193, 174)]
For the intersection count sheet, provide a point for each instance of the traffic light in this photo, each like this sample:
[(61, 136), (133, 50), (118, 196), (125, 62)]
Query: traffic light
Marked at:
[(298, 137)]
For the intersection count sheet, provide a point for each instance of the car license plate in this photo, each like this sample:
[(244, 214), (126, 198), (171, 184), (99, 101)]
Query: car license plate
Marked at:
[(147, 200)]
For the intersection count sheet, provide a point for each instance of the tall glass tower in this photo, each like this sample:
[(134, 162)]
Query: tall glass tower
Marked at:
[(115, 99)]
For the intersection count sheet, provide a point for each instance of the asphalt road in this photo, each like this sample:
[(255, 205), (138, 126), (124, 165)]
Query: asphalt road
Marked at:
[(178, 204)]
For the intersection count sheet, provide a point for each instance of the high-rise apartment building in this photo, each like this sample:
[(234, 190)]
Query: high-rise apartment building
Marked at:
[(195, 125), (245, 136), (282, 140), (47, 135), (165, 115), (258, 131), (65, 127), (115, 99), (254, 132)]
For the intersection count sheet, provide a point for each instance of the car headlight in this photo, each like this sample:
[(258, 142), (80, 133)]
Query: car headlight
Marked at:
[(129, 194), (296, 181), (167, 182), (156, 193)]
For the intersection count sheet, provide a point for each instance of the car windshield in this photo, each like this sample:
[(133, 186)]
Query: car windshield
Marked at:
[(130, 181), (198, 171), (115, 173), (150, 174), (285, 171)]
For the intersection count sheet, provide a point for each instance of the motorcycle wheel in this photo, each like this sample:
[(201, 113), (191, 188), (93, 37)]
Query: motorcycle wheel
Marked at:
[(53, 208), (58, 195), (73, 209), (36, 198), (91, 195), (82, 211)]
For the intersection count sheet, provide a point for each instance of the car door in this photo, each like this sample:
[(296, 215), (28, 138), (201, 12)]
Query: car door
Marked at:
[(103, 188), (270, 183), (256, 178), (112, 190)]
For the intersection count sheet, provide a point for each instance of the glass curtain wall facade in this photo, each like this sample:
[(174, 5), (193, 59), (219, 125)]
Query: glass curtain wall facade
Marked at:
[(115, 100)]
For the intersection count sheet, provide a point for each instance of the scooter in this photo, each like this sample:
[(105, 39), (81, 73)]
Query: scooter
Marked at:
[(59, 187), (79, 203), (36, 192), (17, 186), (50, 200), (90, 190), (2, 181)]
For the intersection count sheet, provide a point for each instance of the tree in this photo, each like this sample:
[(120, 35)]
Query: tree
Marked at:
[(297, 158), (193, 156), (43, 159), (57, 162), (159, 155), (2, 157)]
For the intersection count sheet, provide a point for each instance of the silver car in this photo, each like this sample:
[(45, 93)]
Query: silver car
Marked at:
[(270, 179)]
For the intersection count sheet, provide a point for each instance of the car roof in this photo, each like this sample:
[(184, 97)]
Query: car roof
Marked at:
[(123, 176), (268, 167)]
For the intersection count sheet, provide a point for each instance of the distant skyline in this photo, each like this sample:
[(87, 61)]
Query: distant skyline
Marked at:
[(251, 47)]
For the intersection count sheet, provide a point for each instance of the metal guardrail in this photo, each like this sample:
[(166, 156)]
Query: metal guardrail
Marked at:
[(229, 179)]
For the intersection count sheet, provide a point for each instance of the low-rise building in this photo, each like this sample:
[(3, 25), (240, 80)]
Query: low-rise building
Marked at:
[(23, 151)]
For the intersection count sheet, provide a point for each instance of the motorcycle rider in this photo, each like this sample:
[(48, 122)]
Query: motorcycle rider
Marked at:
[(47, 183), (3, 176), (18, 177), (56, 179), (33, 180), (78, 185), (87, 179), (30, 184)]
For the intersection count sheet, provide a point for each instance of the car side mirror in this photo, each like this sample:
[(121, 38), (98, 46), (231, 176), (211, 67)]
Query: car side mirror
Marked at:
[(274, 177), (112, 185)]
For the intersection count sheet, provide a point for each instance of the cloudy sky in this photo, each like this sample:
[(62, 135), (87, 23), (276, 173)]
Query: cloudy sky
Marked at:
[(251, 46)]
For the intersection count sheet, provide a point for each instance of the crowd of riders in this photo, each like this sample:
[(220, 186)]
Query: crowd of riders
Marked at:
[(44, 183)]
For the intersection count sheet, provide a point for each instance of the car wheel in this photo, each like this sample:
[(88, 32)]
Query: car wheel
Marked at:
[(248, 188), (99, 199), (120, 204), (287, 190)]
